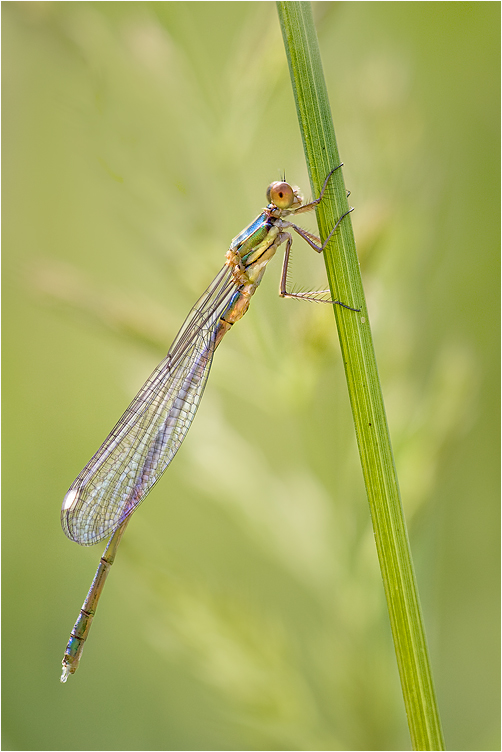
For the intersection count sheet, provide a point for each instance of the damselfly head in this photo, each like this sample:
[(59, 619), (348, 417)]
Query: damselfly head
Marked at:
[(283, 195)]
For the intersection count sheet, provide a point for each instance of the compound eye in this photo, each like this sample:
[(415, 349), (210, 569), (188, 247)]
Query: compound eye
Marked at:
[(280, 194)]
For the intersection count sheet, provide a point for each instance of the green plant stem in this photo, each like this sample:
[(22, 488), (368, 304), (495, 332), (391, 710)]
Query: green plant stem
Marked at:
[(365, 393)]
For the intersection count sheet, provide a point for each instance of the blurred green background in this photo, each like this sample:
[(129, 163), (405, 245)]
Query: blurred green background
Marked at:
[(245, 610)]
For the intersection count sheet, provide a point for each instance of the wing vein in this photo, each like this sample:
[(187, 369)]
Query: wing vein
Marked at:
[(144, 441)]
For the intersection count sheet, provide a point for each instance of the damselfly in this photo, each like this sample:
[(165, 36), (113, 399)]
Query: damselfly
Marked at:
[(148, 435)]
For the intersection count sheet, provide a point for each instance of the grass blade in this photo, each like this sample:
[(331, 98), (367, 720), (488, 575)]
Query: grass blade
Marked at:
[(365, 393)]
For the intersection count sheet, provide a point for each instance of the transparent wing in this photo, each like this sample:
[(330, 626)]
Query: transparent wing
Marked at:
[(148, 435)]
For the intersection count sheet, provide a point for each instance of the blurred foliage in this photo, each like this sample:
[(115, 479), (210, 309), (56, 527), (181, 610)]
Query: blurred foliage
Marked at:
[(246, 609)]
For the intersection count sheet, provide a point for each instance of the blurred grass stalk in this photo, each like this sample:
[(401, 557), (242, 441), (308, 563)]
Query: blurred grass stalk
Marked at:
[(365, 393)]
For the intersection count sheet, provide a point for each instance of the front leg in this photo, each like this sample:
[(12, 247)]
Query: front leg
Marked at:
[(313, 204)]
